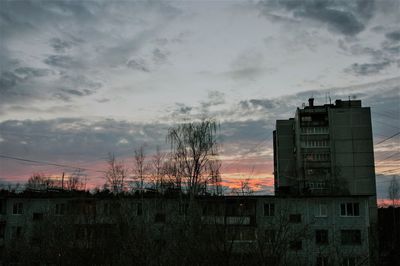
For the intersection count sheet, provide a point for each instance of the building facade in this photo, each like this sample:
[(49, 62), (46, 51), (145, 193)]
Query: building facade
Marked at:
[(325, 149), (256, 230)]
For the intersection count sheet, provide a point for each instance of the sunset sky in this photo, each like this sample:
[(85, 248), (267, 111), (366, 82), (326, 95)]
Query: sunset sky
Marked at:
[(80, 79)]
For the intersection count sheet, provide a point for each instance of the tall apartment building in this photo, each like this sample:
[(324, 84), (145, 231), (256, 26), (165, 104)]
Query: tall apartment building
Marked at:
[(325, 149)]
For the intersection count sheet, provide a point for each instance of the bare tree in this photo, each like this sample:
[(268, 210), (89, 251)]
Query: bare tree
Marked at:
[(140, 167), (116, 174), (157, 170), (394, 190), (76, 181), (39, 181), (194, 150)]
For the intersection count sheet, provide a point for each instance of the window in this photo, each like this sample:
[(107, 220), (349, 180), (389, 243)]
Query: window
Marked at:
[(295, 218), (349, 261), (321, 237), (183, 208), (351, 237), (159, 218), (139, 210), (241, 233), (2, 206), (321, 210), (37, 216), (2, 230), (322, 261), (350, 209), (106, 209), (60, 209), (295, 245), (269, 209), (16, 232), (18, 208), (270, 236)]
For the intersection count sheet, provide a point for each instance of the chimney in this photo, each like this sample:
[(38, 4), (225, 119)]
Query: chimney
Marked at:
[(311, 102)]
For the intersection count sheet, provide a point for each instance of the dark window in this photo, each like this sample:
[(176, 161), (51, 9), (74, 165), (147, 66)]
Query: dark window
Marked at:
[(183, 208), (270, 236), (106, 209), (269, 209), (18, 208), (350, 209), (60, 209), (295, 218), (159, 218), (37, 216), (241, 233), (139, 210), (2, 206), (349, 261), (16, 232), (295, 245), (322, 261), (321, 237), (2, 230), (351, 237), (80, 232)]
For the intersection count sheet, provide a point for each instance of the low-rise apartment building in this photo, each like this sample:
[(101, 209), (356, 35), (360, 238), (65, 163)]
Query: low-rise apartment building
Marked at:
[(313, 230)]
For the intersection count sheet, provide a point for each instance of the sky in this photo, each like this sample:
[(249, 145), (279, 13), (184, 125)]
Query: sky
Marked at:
[(80, 79)]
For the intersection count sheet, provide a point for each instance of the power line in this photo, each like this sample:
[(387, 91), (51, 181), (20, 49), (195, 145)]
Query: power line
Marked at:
[(48, 163), (398, 133)]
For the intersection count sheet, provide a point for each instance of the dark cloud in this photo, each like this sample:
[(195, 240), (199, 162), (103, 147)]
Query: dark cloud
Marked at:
[(346, 17), (214, 98), (182, 109), (367, 69), (394, 35), (69, 137), (60, 46), (257, 103), (61, 61), (30, 72), (159, 56), (138, 64)]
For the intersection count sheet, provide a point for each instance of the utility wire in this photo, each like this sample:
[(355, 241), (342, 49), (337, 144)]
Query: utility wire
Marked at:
[(48, 163), (398, 133)]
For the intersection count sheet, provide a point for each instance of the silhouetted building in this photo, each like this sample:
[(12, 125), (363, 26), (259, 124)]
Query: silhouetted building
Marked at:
[(248, 230), (325, 149)]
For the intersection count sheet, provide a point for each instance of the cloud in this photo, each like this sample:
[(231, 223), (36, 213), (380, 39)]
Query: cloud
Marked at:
[(368, 69), (257, 103), (60, 46), (345, 17), (61, 61), (138, 64), (394, 35), (214, 98)]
